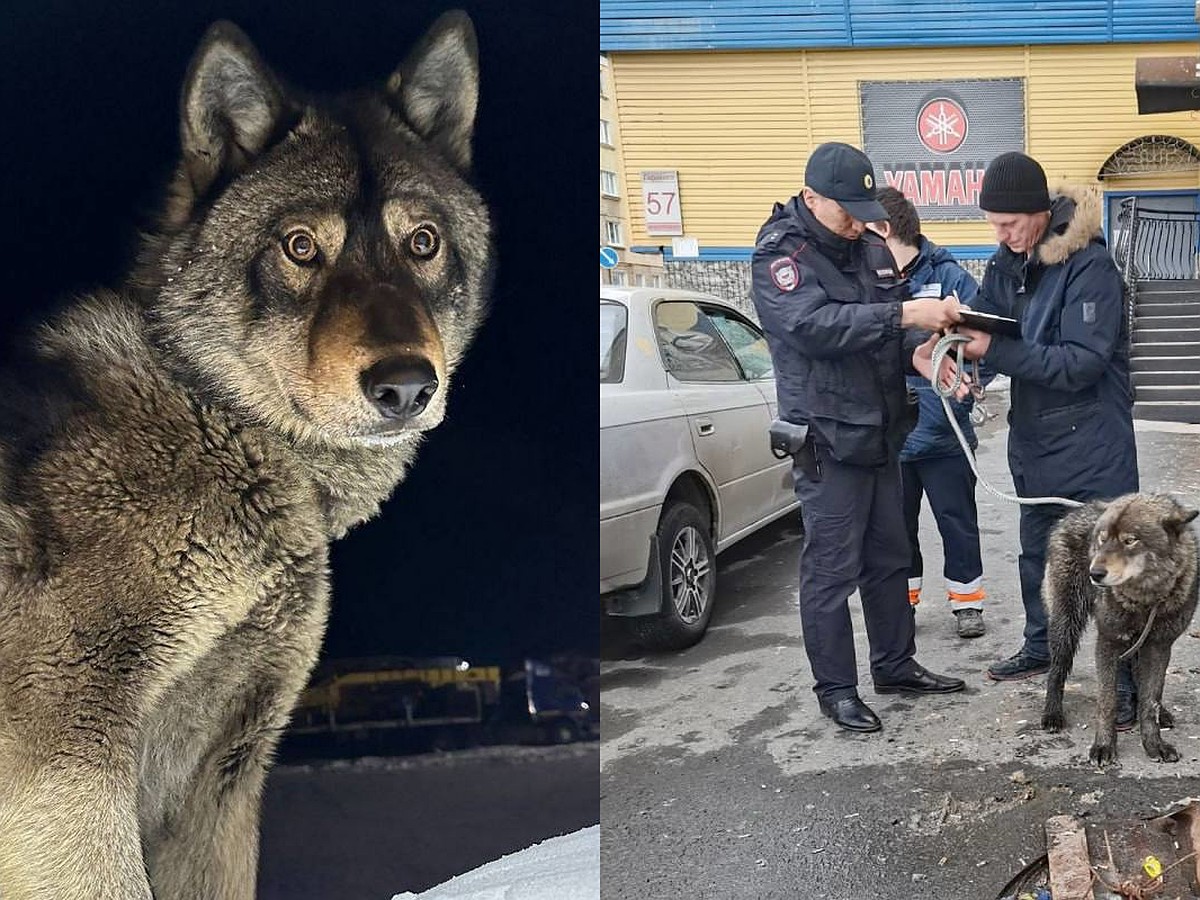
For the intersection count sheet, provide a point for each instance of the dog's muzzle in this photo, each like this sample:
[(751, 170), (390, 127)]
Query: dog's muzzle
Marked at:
[(400, 387)]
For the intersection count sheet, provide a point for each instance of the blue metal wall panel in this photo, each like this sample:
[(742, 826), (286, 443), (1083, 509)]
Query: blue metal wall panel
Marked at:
[(748, 24), (722, 24), (1153, 20), (889, 23)]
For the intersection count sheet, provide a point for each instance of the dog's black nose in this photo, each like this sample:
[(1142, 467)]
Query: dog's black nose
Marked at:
[(400, 388), (1098, 573)]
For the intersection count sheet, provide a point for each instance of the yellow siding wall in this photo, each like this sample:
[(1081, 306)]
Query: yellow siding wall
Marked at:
[(738, 126)]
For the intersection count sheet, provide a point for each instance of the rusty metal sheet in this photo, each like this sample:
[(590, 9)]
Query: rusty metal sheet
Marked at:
[(1167, 83)]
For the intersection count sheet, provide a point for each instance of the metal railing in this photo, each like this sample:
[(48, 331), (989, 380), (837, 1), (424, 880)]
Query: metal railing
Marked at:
[(1126, 237), (1157, 244), (1154, 245)]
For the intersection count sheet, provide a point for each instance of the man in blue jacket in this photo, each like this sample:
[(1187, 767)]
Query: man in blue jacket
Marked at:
[(932, 462), (835, 312), (1071, 420)]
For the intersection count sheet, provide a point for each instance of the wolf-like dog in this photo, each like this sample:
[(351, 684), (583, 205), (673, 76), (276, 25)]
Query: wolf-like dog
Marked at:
[(177, 455), (1124, 562)]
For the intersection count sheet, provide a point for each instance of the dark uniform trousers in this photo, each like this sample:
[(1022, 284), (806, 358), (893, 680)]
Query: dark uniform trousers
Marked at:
[(853, 537)]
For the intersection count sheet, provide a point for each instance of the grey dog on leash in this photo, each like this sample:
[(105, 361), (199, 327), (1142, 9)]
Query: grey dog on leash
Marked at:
[(1130, 563)]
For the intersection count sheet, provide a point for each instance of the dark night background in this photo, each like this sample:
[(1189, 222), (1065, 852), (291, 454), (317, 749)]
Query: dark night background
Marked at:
[(488, 550)]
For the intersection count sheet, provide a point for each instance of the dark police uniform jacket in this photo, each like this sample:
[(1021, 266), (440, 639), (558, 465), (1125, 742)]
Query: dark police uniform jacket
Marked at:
[(830, 309), (1071, 415)]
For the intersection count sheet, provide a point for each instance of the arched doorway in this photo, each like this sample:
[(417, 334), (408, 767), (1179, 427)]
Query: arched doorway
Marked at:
[(1154, 169)]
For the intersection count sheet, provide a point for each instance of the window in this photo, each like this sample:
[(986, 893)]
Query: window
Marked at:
[(639, 280), (605, 133), (617, 278), (658, 281), (612, 234), (746, 342), (608, 183), (613, 317), (691, 347)]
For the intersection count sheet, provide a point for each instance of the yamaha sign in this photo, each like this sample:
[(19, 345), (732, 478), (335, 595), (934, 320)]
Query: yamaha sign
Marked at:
[(932, 140)]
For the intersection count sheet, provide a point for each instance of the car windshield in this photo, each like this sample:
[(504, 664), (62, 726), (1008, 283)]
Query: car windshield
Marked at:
[(613, 319)]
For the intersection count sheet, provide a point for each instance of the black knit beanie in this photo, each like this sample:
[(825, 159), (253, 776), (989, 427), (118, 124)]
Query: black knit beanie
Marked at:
[(1014, 183)]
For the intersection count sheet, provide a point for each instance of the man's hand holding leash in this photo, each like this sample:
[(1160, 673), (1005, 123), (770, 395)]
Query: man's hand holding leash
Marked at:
[(938, 316)]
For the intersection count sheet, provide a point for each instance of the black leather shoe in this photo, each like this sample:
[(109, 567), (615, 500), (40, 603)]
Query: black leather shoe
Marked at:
[(852, 714), (919, 681), (1018, 667), (1126, 710)]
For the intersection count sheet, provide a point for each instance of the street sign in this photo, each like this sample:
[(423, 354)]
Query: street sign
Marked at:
[(608, 258)]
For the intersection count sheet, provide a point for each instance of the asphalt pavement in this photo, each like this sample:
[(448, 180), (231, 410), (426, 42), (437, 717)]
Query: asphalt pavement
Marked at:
[(720, 779), (370, 828)]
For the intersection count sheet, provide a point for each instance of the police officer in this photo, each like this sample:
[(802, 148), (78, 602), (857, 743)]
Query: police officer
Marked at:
[(835, 313)]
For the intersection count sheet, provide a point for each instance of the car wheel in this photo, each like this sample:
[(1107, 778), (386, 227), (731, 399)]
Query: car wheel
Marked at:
[(689, 580)]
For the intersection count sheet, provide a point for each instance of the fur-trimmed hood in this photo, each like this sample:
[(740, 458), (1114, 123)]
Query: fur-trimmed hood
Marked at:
[(1075, 221)]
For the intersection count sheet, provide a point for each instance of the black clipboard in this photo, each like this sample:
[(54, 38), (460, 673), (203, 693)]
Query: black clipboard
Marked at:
[(992, 324)]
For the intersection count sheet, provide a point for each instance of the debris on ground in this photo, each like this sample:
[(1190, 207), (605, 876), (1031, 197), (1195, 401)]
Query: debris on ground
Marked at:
[(1123, 859)]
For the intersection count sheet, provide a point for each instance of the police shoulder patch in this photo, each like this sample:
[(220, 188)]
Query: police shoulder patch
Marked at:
[(785, 273)]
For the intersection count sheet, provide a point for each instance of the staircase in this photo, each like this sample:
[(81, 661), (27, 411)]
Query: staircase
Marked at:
[(1166, 351)]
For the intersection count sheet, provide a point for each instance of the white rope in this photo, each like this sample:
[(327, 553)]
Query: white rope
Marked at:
[(940, 351)]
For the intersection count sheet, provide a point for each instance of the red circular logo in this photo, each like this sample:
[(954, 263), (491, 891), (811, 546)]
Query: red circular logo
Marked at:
[(942, 125)]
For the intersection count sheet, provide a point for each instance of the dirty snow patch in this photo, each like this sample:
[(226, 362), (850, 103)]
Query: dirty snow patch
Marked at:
[(561, 868)]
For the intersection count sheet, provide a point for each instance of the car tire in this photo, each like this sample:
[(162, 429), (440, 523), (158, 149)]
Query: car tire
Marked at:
[(687, 562)]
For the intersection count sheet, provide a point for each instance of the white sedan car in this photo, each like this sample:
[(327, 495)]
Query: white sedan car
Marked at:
[(687, 394)]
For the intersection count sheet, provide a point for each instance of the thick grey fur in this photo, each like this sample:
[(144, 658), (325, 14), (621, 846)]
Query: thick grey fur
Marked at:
[(177, 455), (1145, 552)]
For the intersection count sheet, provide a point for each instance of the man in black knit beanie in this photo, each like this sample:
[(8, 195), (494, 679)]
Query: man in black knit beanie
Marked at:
[(1071, 424)]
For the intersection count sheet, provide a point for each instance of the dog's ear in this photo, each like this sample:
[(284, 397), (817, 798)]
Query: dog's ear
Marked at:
[(230, 108), (437, 88), (1179, 517)]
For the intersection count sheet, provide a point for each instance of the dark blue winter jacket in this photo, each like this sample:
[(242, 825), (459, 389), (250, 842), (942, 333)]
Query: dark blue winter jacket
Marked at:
[(935, 273), (1071, 415), (830, 308)]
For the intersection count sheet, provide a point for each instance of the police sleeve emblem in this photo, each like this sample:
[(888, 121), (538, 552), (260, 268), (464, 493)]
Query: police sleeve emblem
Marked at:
[(785, 273)]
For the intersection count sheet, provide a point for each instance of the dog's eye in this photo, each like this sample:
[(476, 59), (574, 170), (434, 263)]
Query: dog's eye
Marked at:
[(300, 247), (424, 240), (1128, 540)]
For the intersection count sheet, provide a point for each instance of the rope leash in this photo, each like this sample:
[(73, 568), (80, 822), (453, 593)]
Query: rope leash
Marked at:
[(940, 351)]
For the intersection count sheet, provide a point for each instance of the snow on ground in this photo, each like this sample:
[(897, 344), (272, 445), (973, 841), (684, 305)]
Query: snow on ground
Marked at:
[(561, 868)]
